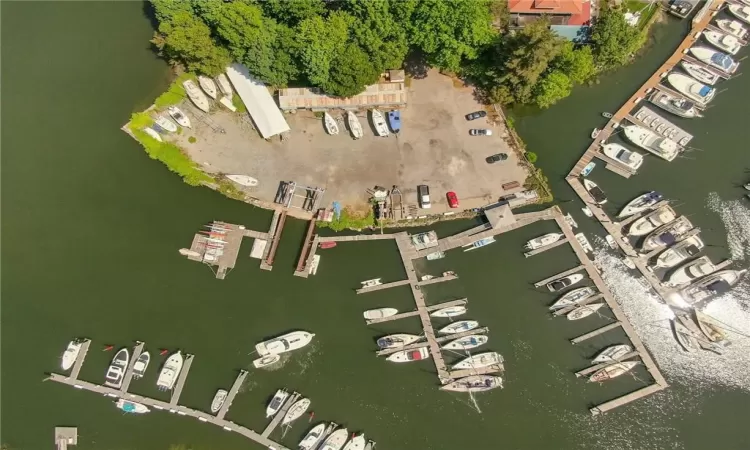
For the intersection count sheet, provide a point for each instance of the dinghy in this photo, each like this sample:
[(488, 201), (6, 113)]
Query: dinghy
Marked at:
[(584, 311), (595, 191), (354, 126), (588, 169), (722, 41), (357, 443), (646, 139), (651, 221), (715, 284), (397, 340), (179, 116), (466, 342), (208, 86), (641, 203), (132, 407), (543, 241), (151, 132), (165, 124), (699, 73), (409, 355), (741, 12), (285, 343), (116, 369), (474, 383), (615, 370), (141, 364), (335, 440), (681, 251), (451, 311), (562, 283), (224, 86), (70, 355), (313, 437), (690, 88), (619, 153), (197, 96), (687, 273), (573, 298), (479, 360), (219, 398), (718, 60), (330, 123), (666, 234), (170, 371), (371, 283), (459, 327), (595, 132), (394, 119), (612, 353), (266, 361), (709, 327), (685, 337), (295, 411), (276, 402), (243, 180), (380, 313), (379, 122)]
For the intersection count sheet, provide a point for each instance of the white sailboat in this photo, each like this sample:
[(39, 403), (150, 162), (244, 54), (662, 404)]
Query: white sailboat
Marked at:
[(224, 85), (612, 353), (641, 203), (265, 361), (381, 127), (244, 180), (474, 383), (116, 369), (141, 364), (543, 241), (131, 407), (631, 159), (170, 371), (335, 440), (357, 443), (295, 411), (681, 251), (699, 73), (313, 437), (165, 124), (651, 221), (451, 311), (409, 355), (218, 401), (584, 311), (741, 12), (666, 234), (713, 58), (722, 41), (459, 327), (70, 355), (466, 342), (276, 402), (285, 343), (573, 298), (208, 86), (687, 273), (397, 340), (379, 313), (691, 88), (153, 133), (179, 116), (646, 139), (354, 125), (615, 370), (197, 96), (479, 360), (330, 123)]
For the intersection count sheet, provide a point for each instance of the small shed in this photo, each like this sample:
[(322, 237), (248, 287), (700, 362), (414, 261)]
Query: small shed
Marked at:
[(499, 215), (396, 76)]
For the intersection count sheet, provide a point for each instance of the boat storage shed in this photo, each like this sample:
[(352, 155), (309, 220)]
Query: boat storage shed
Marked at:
[(266, 115)]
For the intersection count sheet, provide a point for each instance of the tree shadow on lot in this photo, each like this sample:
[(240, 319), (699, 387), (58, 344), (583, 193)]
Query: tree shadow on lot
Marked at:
[(416, 65)]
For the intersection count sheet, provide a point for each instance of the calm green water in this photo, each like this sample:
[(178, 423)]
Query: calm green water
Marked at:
[(91, 229)]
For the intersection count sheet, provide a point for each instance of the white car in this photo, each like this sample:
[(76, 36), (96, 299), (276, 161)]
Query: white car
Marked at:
[(423, 192)]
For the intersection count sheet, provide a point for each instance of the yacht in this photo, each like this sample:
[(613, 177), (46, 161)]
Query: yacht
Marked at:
[(153, 133), (543, 241), (219, 398), (732, 27), (276, 402), (615, 370), (562, 283), (450, 311), (71, 354), (141, 364), (116, 369), (243, 180), (179, 116), (678, 106), (619, 153), (741, 12), (330, 123), (691, 88), (716, 59), (651, 221), (646, 139), (314, 436), (595, 191), (666, 234), (722, 41), (699, 73), (208, 86), (715, 284), (573, 298), (170, 371), (197, 96), (409, 355), (612, 353), (379, 122), (474, 383), (687, 273), (354, 126), (397, 340), (641, 203), (285, 343), (681, 251)]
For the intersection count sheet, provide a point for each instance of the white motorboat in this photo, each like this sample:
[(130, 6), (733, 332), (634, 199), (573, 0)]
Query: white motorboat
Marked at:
[(675, 104), (612, 353), (571, 221), (584, 311), (666, 235), (224, 85), (466, 342), (741, 12), (641, 203), (595, 191), (165, 124), (687, 273), (380, 313), (170, 371), (208, 86), (588, 169), (141, 364), (71, 354), (371, 283), (381, 127), (716, 59), (710, 327), (585, 244), (179, 116), (681, 251), (459, 327), (409, 355), (132, 407), (219, 398), (699, 73), (265, 361), (717, 283), (651, 221), (619, 153), (611, 241), (562, 283), (244, 180), (314, 264), (295, 411), (451, 311), (313, 437), (357, 443), (116, 369), (646, 139), (276, 402), (330, 123), (542, 241), (615, 370), (397, 340), (722, 41), (474, 383), (479, 360), (153, 133), (426, 277), (479, 244), (587, 211), (435, 255), (354, 125), (686, 338), (226, 101), (335, 440), (573, 298), (285, 343), (732, 27), (197, 96), (595, 132), (691, 88)]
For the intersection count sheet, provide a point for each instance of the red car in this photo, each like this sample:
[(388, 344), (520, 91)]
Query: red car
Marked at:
[(452, 199)]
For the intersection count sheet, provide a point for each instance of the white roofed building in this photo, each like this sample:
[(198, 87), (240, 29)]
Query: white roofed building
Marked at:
[(259, 102)]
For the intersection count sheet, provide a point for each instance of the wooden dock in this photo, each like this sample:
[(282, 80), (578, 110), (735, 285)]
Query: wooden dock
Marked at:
[(181, 380), (307, 252), (79, 361), (274, 233), (232, 393), (380, 287), (596, 332), (129, 371), (414, 313), (280, 415)]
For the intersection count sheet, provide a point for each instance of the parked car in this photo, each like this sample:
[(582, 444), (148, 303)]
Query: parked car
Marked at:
[(452, 199), (497, 157), (480, 132), (476, 115), (423, 192)]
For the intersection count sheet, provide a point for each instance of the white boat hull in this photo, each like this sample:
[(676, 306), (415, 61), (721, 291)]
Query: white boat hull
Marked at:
[(466, 342), (584, 311), (170, 372), (357, 443), (219, 398), (179, 116), (312, 437), (381, 127), (266, 361), (196, 96), (208, 86), (354, 125), (409, 355), (451, 311), (397, 340), (70, 355), (459, 327), (296, 411), (479, 360), (331, 126), (652, 221), (276, 402), (243, 180), (379, 313), (612, 353), (286, 343)]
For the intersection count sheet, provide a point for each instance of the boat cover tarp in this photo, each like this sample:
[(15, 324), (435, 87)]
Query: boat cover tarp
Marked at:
[(667, 239), (705, 90), (259, 103)]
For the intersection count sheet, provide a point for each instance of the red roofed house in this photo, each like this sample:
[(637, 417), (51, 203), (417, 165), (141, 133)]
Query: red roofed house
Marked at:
[(559, 12)]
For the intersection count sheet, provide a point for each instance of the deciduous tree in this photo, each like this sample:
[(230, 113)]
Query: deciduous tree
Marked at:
[(614, 41), (185, 38)]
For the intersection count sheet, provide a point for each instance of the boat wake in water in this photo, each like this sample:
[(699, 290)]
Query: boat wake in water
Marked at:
[(736, 217)]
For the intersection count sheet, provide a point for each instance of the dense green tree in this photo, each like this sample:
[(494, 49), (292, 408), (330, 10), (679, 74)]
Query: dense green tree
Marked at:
[(321, 40), (576, 63), (378, 32), (351, 71), (292, 12), (614, 41), (186, 39), (164, 10), (554, 86)]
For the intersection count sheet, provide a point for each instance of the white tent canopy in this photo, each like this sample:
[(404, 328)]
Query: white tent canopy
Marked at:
[(259, 103)]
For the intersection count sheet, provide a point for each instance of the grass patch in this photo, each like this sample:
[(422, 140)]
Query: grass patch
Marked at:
[(172, 157), (140, 120), (192, 139), (229, 189), (237, 102), (175, 94), (349, 220)]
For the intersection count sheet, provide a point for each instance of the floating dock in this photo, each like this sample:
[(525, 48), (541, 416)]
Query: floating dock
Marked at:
[(280, 415), (129, 370), (232, 393)]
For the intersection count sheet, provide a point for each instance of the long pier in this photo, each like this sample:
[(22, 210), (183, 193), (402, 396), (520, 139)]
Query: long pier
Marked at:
[(380, 287), (181, 380), (458, 302), (172, 406), (596, 332), (232, 393), (280, 415), (129, 371), (274, 232)]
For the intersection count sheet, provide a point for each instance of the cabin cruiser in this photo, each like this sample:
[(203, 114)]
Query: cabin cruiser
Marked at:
[(179, 116), (409, 355), (71, 354), (285, 343), (713, 58), (562, 283), (676, 105), (732, 27), (666, 234), (681, 251), (466, 342), (474, 383), (170, 371), (691, 88), (741, 12), (371, 283), (641, 203), (116, 369), (479, 360), (543, 241), (651, 221), (722, 41), (595, 191), (715, 284), (687, 273), (699, 73), (648, 140), (277, 401), (619, 153)]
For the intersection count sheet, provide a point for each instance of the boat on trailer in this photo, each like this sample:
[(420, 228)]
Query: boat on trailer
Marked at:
[(315, 435), (652, 221), (265, 361), (700, 73), (451, 311), (409, 355)]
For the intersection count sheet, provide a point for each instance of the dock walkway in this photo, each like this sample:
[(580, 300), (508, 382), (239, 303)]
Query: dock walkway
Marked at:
[(129, 371), (181, 380), (232, 393), (280, 415), (458, 302)]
